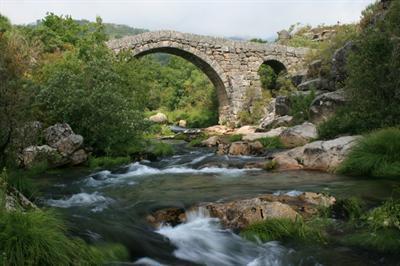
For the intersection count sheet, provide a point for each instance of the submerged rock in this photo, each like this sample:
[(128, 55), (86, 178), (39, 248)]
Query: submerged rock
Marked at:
[(171, 216)]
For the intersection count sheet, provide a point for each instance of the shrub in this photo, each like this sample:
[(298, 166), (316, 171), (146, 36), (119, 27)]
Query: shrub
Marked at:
[(161, 149), (39, 238), (271, 142), (377, 155), (107, 162), (300, 106), (282, 230), (385, 216)]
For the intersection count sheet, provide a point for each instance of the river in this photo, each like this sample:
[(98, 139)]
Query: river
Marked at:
[(112, 205)]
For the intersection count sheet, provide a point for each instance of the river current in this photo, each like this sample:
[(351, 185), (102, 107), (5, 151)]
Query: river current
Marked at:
[(111, 206)]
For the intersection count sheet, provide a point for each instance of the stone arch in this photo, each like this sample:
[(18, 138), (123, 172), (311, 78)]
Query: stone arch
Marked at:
[(210, 68), (276, 65)]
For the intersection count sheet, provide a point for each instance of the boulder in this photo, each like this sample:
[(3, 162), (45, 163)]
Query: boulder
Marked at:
[(55, 133), (68, 145), (182, 123), (339, 61), (242, 213), (325, 105), (298, 77), (223, 148), (317, 155), (218, 130), (276, 121), (212, 141), (78, 157), (314, 69), (298, 135), (245, 148), (245, 130), (170, 216), (159, 118), (282, 105), (258, 135), (314, 84), (38, 154)]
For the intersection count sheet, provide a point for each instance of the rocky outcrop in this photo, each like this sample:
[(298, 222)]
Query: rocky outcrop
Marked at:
[(339, 61), (245, 130), (298, 135), (159, 118), (218, 130), (62, 147), (239, 214), (317, 155), (13, 199), (276, 113), (274, 121), (325, 105), (314, 84)]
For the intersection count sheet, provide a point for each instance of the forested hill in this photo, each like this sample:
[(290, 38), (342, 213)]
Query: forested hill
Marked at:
[(116, 31)]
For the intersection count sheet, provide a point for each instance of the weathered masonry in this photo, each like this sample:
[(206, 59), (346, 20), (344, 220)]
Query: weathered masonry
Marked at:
[(231, 65)]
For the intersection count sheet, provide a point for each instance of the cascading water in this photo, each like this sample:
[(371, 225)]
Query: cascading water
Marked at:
[(112, 205)]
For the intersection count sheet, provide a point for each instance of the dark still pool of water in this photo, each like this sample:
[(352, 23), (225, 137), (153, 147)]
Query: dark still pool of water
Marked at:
[(112, 205)]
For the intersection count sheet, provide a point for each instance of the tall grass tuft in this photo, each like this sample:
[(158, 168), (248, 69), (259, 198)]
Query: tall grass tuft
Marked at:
[(271, 142), (282, 230), (377, 155), (39, 238)]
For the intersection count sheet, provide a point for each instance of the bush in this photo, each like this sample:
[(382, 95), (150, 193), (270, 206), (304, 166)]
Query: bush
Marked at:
[(385, 216), (271, 142), (377, 155), (107, 162), (300, 106), (161, 149), (39, 238), (282, 230)]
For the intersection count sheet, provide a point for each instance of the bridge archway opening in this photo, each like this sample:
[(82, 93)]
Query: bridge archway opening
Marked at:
[(269, 71), (219, 103)]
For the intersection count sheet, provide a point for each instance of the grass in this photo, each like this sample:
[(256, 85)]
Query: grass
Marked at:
[(385, 216), (39, 238), (347, 209), (376, 155), (160, 149), (384, 240), (283, 230), (107, 161), (300, 106), (271, 142), (235, 137)]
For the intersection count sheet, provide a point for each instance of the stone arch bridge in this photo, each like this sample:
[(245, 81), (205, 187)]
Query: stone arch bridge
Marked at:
[(232, 66)]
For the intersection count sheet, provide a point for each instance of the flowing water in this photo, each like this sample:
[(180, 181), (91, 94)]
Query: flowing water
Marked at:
[(112, 205)]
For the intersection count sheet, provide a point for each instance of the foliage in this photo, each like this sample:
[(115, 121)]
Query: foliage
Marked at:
[(373, 83), (300, 106), (268, 77), (235, 137), (258, 40), (160, 149), (385, 216), (347, 209), (15, 97), (271, 142), (377, 154), (282, 230), (254, 105), (39, 238), (107, 161)]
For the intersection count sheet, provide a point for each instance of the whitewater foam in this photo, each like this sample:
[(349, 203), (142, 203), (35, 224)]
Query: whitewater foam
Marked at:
[(81, 199), (202, 240)]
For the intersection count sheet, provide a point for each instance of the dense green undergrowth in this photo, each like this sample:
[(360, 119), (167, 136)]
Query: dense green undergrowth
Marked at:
[(377, 155)]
